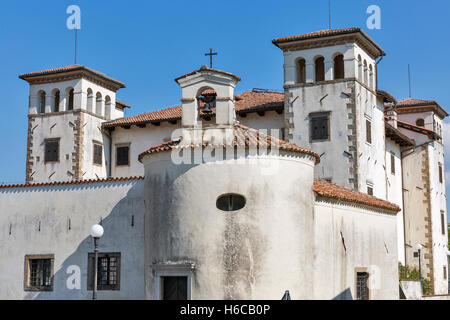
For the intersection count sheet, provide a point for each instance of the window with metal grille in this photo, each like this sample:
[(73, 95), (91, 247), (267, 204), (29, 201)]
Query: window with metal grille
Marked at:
[(39, 272), (362, 288), (122, 155), (230, 202), (368, 131), (174, 288), (52, 150), (108, 271), (392, 163), (98, 153), (320, 126)]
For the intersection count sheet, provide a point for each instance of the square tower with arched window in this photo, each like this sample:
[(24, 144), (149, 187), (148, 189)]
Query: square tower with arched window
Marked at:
[(66, 109), (332, 105)]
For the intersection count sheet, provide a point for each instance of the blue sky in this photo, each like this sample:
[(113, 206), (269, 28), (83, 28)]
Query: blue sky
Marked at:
[(147, 44)]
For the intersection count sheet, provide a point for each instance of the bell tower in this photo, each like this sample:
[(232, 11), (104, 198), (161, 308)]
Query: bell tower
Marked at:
[(66, 109), (332, 105)]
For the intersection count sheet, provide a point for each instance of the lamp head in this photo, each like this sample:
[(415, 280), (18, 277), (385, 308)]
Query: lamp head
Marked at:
[(419, 246), (97, 231)]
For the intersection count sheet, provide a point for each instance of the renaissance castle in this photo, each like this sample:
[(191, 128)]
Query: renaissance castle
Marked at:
[(320, 190)]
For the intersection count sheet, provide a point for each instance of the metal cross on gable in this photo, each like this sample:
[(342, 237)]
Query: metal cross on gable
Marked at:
[(210, 54)]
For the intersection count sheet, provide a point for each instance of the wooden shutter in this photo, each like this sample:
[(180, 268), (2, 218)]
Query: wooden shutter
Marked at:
[(319, 127), (122, 156), (51, 150), (98, 153), (368, 131), (175, 288)]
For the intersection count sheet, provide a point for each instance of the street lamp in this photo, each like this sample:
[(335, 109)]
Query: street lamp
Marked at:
[(419, 249), (96, 233)]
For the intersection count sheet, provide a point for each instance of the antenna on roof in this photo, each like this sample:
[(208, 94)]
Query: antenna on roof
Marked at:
[(409, 79), (76, 32), (329, 14), (74, 22)]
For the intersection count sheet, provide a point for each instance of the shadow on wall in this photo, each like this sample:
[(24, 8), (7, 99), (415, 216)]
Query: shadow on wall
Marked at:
[(124, 233), (344, 295)]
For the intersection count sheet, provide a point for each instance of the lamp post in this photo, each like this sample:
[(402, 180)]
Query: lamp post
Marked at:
[(419, 249), (96, 233)]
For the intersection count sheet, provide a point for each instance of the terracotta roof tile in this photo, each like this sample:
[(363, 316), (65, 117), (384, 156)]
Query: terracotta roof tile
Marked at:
[(396, 135), (334, 191), (327, 33), (415, 128), (252, 101), (74, 67), (418, 105), (122, 104), (243, 136), (71, 182)]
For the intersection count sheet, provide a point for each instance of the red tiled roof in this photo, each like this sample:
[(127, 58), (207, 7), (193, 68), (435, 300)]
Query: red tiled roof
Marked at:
[(243, 136), (327, 33), (74, 67), (387, 96), (397, 136), (206, 69), (121, 104), (414, 128), (251, 101), (331, 190), (58, 183), (411, 104)]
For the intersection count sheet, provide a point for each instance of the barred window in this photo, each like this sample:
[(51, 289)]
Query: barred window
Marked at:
[(122, 155), (98, 153), (319, 126), (108, 271), (174, 288), (51, 150), (39, 272), (362, 288)]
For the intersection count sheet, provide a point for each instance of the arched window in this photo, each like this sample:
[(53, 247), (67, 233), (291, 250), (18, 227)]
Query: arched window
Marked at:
[(371, 77), (365, 72), (107, 107), (70, 98), (301, 70), (339, 66), (420, 122), (41, 105), (320, 69), (90, 100), (56, 101), (360, 78), (98, 104)]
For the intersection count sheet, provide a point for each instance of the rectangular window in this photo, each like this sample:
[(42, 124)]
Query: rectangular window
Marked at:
[(98, 153), (370, 190), (51, 150), (443, 222), (38, 272), (368, 131), (392, 163), (108, 271), (319, 126), (362, 288), (174, 288), (122, 155), (440, 173), (445, 273)]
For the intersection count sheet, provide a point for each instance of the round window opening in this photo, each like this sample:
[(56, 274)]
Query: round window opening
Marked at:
[(230, 202)]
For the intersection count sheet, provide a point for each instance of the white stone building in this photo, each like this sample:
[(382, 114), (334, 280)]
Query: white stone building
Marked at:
[(229, 196)]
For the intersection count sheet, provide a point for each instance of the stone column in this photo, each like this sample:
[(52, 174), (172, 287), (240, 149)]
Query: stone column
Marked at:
[(310, 72), (329, 70)]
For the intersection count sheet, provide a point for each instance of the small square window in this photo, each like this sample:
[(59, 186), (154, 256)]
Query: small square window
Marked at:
[(98, 153), (51, 150), (38, 272), (122, 155), (108, 271), (319, 126)]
